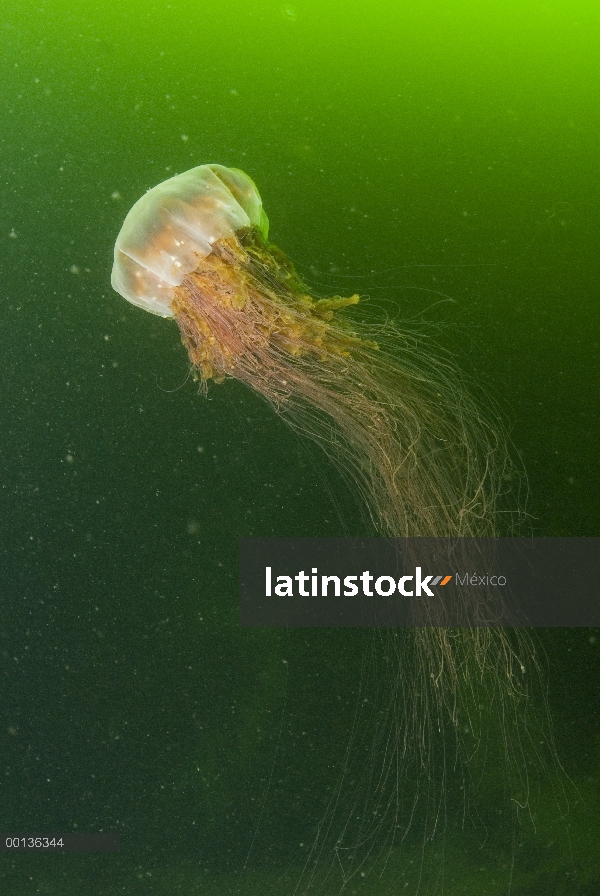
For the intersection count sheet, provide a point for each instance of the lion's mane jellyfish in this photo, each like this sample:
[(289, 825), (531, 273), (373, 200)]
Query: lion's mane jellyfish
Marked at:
[(392, 413)]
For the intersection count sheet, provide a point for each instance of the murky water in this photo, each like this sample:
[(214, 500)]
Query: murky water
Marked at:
[(440, 160)]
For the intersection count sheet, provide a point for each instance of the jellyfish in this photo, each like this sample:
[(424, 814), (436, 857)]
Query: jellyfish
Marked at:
[(394, 415)]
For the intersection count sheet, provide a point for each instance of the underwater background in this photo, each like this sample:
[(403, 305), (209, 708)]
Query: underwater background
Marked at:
[(441, 159)]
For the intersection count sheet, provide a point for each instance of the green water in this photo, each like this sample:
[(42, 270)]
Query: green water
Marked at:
[(442, 160)]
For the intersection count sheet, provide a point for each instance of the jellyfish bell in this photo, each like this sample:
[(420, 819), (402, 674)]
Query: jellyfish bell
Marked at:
[(174, 225)]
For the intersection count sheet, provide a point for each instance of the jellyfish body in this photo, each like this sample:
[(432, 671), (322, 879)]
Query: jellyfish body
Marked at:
[(174, 225)]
